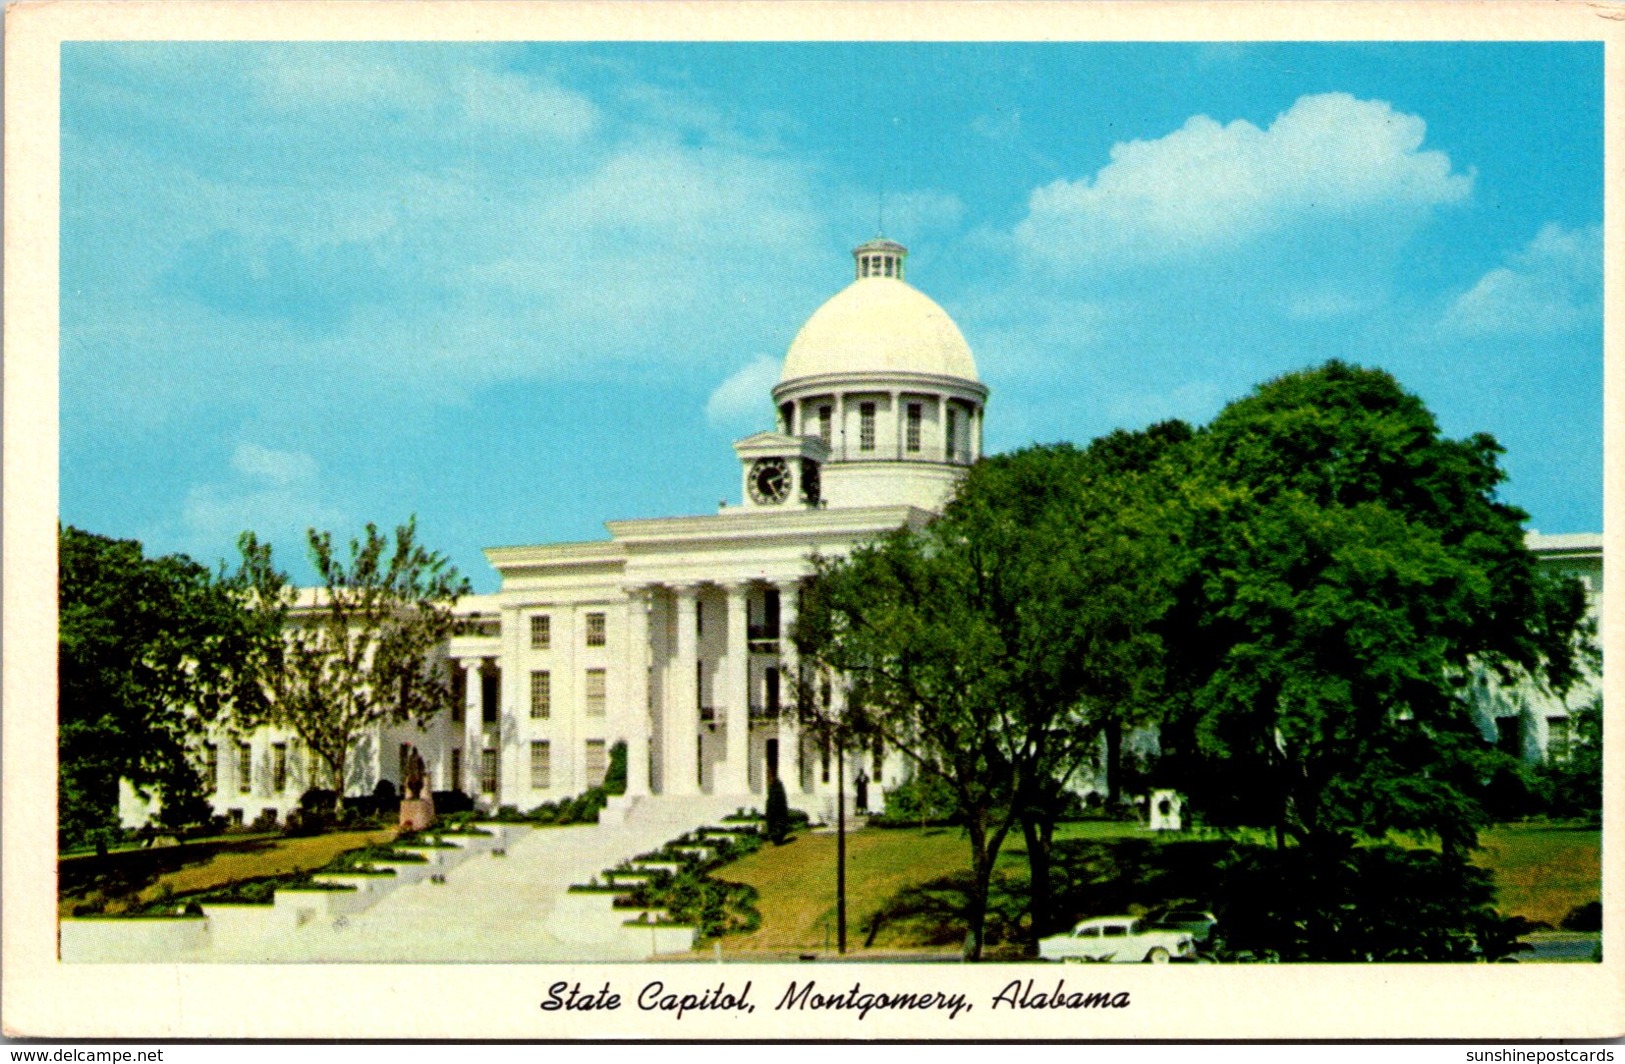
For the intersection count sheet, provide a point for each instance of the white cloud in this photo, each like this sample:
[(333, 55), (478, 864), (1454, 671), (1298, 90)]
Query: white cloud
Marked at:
[(745, 395), (998, 125), (275, 494), (1325, 304), (275, 467), (1207, 185), (1552, 285)]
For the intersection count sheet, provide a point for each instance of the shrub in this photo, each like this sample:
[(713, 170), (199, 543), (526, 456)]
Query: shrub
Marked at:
[(447, 803), (1374, 903), (1587, 917), (925, 800), (615, 778), (301, 822), (384, 793), (318, 799), (778, 813)]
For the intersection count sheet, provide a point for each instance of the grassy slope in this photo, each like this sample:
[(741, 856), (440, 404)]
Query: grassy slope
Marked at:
[(797, 882), (217, 866), (1541, 873)]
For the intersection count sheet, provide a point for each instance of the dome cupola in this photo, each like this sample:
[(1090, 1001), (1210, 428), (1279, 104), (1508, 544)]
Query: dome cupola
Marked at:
[(882, 376), (880, 258)]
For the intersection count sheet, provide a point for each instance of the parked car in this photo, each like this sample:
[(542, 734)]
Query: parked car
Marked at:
[(1199, 922), (1119, 938)]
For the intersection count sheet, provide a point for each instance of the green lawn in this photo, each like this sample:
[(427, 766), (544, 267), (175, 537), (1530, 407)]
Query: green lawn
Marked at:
[(1542, 871), (796, 882), (125, 877), (911, 881)]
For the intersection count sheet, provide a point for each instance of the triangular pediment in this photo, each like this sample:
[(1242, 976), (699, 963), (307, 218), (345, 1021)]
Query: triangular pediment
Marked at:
[(769, 439), (780, 445)]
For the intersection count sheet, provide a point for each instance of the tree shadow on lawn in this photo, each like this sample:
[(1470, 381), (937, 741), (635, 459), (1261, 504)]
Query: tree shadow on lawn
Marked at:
[(1088, 878), (125, 873)]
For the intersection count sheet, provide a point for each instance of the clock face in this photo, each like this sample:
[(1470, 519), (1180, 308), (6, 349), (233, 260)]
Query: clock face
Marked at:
[(810, 489), (769, 480)]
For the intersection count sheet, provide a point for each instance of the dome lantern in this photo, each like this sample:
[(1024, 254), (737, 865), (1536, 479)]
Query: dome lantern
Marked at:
[(880, 258)]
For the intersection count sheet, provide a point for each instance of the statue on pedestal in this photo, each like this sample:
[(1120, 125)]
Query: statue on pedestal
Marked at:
[(417, 805)]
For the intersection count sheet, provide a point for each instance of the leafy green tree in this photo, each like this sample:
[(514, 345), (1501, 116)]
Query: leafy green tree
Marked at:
[(1354, 572), (151, 651), (991, 646), (1573, 782), (360, 651)]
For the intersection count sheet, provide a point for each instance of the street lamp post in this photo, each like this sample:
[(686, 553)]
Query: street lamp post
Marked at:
[(840, 847)]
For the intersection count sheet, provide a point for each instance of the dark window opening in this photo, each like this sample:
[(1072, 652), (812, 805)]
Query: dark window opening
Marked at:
[(490, 696)]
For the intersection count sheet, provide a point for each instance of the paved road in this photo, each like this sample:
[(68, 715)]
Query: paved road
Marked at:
[(1553, 946)]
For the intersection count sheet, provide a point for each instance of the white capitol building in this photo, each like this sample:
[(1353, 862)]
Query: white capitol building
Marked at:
[(671, 635)]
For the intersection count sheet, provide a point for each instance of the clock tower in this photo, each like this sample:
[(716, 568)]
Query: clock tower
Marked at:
[(781, 472)]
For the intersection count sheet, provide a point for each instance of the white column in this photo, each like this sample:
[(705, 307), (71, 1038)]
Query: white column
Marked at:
[(472, 727), (682, 704), (789, 690), (840, 424), (896, 424), (736, 690), (637, 692)]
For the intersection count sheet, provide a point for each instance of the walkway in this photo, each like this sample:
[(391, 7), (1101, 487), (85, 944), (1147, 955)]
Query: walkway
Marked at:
[(489, 909)]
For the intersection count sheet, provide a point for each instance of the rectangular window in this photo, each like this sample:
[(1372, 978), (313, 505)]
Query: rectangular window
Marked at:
[(771, 679), (211, 768), (1509, 735), (459, 691), (597, 762), (456, 781), (488, 771), (595, 692), (245, 768), (541, 765), (951, 434), (1557, 740), (490, 697), (595, 630), (824, 425), (699, 617), (279, 766), (866, 426), (913, 438), (770, 612), (541, 632), (541, 695)]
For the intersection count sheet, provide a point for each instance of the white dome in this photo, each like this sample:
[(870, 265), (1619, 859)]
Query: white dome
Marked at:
[(879, 325)]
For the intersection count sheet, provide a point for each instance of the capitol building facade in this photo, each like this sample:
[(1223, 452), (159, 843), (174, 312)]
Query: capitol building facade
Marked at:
[(671, 636)]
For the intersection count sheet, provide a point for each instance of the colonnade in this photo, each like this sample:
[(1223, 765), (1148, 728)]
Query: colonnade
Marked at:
[(656, 693), (677, 665), (802, 419)]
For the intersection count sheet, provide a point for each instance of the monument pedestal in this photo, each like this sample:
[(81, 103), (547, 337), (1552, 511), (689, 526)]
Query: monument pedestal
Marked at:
[(417, 814)]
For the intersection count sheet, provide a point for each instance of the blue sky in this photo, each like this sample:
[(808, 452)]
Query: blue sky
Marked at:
[(521, 289)]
